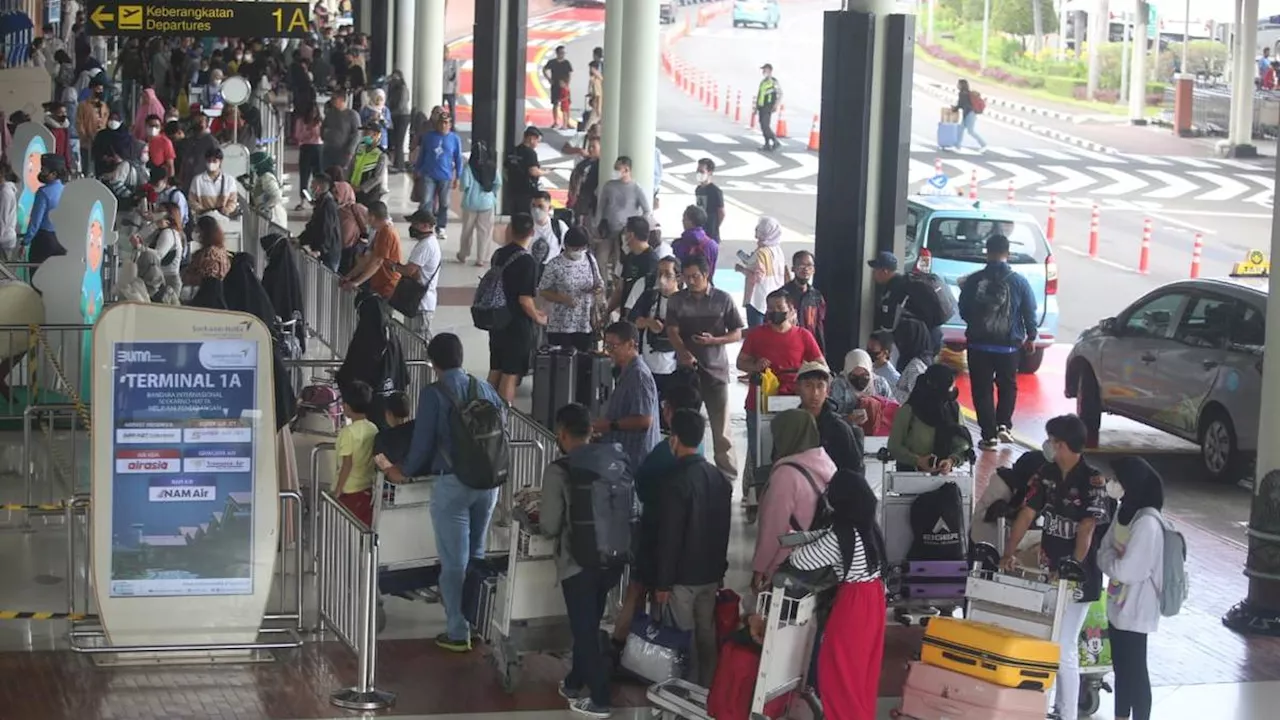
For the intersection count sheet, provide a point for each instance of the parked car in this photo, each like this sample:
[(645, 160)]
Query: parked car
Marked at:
[(764, 13), (1185, 358), (947, 235)]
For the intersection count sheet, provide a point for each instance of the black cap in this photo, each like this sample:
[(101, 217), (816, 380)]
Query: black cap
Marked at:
[(421, 217), (372, 125), (884, 260), (767, 66), (997, 245), (532, 131), (52, 162)]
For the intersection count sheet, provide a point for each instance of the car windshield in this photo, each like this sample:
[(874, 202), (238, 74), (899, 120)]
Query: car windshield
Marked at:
[(965, 239)]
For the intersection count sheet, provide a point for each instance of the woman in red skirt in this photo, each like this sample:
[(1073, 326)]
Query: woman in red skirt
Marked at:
[(852, 643)]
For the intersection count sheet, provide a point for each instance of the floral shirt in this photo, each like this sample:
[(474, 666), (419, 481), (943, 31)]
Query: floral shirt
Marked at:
[(578, 279), (207, 262)]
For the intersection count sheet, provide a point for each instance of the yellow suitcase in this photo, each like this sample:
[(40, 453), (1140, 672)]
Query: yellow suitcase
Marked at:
[(990, 653)]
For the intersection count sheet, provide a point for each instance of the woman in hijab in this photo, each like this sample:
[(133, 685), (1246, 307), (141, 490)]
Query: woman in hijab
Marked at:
[(914, 343), (481, 182), (927, 433), (353, 220), (267, 193), (1132, 556), (801, 471), (375, 109), (860, 394), (765, 272), (281, 280), (852, 639), (148, 105), (374, 355)]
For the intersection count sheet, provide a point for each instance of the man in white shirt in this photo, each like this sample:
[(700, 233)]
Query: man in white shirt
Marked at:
[(548, 233), (424, 266), (213, 190)]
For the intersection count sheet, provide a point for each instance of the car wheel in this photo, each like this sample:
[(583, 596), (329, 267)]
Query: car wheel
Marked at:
[(1029, 362), (1089, 404), (1218, 448)]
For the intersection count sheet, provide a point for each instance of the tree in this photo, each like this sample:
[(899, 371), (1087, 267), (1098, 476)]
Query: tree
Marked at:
[(1017, 17)]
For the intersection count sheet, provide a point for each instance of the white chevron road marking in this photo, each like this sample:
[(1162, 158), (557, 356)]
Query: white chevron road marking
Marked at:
[(754, 163), (1175, 186), (1072, 181), (1227, 189), (806, 166), (1022, 176), (1124, 184)]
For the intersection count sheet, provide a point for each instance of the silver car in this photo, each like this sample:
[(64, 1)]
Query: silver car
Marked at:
[(1185, 358)]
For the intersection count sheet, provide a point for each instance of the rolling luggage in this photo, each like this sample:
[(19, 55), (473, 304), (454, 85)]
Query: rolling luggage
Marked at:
[(934, 579), (479, 588), (554, 383), (949, 135), (933, 692), (989, 653), (595, 382)]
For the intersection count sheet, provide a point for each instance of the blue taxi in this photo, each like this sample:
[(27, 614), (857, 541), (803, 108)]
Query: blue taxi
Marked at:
[(764, 13), (947, 236)]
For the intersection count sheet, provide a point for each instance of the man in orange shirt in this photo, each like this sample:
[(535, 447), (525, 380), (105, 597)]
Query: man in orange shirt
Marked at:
[(379, 265)]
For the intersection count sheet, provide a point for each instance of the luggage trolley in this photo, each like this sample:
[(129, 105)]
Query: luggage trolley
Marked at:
[(757, 473), (1030, 602), (921, 589), (791, 629)]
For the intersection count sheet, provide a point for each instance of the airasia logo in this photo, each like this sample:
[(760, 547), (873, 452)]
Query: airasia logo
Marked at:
[(156, 465), (147, 465)]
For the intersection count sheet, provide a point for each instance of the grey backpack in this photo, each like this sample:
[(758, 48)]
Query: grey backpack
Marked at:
[(1174, 585)]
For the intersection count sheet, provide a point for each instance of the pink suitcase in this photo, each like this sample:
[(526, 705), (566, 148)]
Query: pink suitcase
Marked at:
[(934, 693)]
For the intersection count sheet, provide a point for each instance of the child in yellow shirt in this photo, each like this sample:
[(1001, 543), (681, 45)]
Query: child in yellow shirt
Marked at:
[(353, 486)]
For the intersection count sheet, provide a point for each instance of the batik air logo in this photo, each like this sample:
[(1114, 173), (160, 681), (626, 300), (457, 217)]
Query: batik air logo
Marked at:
[(942, 534)]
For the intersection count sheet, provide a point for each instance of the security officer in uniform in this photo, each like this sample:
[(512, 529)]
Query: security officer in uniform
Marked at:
[(767, 99)]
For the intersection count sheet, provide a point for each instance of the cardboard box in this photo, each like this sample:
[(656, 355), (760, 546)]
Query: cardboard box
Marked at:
[(950, 116)]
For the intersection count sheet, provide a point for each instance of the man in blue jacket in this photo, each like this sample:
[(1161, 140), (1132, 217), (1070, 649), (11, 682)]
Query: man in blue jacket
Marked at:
[(439, 166), (1000, 312)]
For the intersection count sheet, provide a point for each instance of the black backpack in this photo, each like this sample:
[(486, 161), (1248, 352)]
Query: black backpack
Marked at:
[(823, 514), (991, 315), (928, 299), (602, 506), (479, 445), (937, 524)]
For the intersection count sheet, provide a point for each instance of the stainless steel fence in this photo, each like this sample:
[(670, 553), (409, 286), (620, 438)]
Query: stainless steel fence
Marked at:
[(348, 595), (51, 368), (1211, 110)]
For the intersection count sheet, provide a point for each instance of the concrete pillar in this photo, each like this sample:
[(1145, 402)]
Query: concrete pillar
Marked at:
[(1138, 67), (406, 11), (429, 54), (638, 115), (614, 34), (1244, 70)]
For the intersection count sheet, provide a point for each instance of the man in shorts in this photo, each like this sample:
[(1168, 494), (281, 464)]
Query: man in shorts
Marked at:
[(511, 345), (559, 71)]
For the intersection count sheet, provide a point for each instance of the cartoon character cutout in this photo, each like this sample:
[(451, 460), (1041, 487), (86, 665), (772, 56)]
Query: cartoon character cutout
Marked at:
[(91, 299), (30, 181)]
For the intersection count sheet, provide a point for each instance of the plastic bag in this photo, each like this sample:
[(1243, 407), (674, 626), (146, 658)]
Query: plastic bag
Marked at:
[(769, 383), (656, 649)]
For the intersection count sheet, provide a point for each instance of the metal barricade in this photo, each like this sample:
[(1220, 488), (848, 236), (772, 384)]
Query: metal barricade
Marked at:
[(51, 367), (348, 595)]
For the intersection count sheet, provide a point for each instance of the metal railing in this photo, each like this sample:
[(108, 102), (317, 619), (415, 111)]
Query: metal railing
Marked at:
[(348, 597), (52, 366)]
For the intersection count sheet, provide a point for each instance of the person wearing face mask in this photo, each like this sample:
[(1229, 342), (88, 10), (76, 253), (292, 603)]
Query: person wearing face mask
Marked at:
[(91, 118), (166, 192), (148, 105), (928, 434), (571, 283), (766, 271), (778, 345), (620, 198), (811, 306), (378, 266), (650, 315), (709, 197), (112, 145), (639, 267), (57, 122), (860, 395), (369, 167), (376, 111), (880, 347), (213, 190), (424, 266), (630, 418), (160, 150), (1071, 495), (1131, 554), (41, 239), (548, 232), (322, 236), (694, 242)]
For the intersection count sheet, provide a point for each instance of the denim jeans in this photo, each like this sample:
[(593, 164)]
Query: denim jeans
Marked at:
[(748, 474), (969, 125), (460, 516), (585, 595), (435, 197)]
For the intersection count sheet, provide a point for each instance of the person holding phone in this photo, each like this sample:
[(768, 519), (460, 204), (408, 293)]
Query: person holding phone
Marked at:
[(928, 434)]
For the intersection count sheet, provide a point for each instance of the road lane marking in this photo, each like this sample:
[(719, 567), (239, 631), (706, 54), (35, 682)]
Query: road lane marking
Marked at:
[(1104, 261)]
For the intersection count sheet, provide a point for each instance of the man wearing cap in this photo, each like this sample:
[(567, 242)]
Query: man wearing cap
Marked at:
[(439, 168), (369, 166), (768, 97), (523, 172), (41, 237), (424, 265), (893, 298), (842, 441)]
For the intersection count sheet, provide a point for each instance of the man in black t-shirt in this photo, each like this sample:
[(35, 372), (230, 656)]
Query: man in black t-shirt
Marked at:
[(511, 345), (559, 71), (710, 198), (1071, 496), (523, 172), (639, 267)]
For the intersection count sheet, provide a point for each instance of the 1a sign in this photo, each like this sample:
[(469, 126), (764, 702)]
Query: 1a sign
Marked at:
[(213, 18)]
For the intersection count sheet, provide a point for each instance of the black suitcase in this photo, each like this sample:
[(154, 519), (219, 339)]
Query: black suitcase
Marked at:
[(479, 589), (595, 382), (554, 384)]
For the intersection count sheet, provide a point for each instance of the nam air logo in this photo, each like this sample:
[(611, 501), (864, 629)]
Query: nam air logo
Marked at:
[(941, 534), (182, 493)]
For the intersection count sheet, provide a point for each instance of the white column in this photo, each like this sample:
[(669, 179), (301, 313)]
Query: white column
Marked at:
[(639, 112), (1138, 66), (614, 36), (405, 12), (1240, 134), (429, 54)]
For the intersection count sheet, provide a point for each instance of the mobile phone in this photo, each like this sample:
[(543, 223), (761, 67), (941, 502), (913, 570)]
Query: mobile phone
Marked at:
[(307, 196), (744, 256)]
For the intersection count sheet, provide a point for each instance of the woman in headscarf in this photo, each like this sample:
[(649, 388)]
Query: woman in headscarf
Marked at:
[(801, 471), (927, 433), (852, 638), (766, 271), (1132, 556), (860, 394), (374, 355), (915, 353), (353, 220), (148, 105), (283, 284), (481, 182), (267, 193), (375, 109)]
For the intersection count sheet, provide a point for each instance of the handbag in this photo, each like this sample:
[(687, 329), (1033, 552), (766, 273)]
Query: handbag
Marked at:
[(656, 649), (407, 296), (797, 583), (418, 191)]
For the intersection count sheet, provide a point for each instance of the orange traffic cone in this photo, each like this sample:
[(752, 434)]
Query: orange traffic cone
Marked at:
[(782, 122), (814, 135)]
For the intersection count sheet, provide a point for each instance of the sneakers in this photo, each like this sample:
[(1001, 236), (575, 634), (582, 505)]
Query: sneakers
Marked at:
[(1005, 433), (444, 642), (572, 695), (441, 234), (590, 709), (988, 443)]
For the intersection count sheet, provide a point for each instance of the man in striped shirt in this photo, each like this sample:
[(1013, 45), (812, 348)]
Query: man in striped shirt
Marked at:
[(631, 417)]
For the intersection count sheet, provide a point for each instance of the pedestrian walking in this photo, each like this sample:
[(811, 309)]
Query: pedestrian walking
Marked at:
[(970, 105), (438, 169), (1000, 313), (449, 89), (559, 73), (481, 182), (768, 97)]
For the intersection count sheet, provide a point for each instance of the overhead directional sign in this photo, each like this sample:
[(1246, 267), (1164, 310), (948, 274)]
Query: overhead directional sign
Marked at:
[(192, 18)]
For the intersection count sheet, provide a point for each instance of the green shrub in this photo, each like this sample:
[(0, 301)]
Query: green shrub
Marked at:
[(1062, 87)]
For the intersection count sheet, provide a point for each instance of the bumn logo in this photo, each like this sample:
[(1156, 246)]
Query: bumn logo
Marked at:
[(137, 356)]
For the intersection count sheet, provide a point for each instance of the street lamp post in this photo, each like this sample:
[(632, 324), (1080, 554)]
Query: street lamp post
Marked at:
[(986, 30), (1186, 36), (1124, 59)]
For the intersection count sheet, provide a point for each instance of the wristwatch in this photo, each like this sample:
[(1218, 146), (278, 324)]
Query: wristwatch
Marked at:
[(613, 426)]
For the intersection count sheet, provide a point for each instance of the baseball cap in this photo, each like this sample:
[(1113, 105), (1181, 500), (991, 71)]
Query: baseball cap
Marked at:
[(813, 367), (884, 260), (421, 217), (767, 66)]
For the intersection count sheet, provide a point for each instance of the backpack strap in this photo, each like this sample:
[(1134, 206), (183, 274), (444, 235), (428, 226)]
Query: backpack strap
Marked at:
[(812, 483)]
